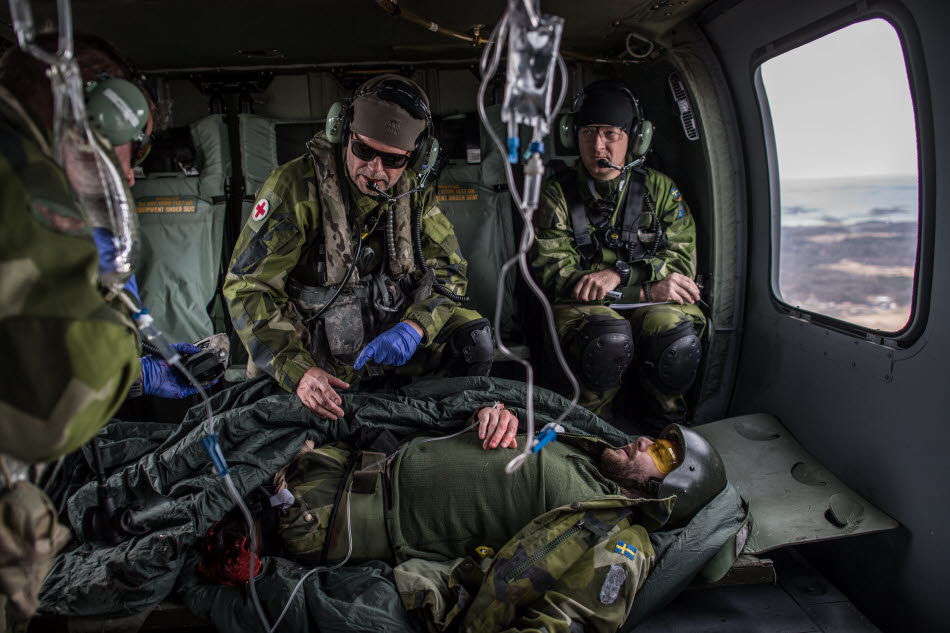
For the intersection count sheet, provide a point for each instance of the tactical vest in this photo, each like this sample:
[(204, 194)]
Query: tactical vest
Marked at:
[(372, 300), (639, 234)]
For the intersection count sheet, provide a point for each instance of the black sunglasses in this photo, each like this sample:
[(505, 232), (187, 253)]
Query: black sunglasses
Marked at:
[(366, 153)]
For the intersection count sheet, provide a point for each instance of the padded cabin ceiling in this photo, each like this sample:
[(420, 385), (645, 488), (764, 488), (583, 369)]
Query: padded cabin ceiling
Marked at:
[(172, 34)]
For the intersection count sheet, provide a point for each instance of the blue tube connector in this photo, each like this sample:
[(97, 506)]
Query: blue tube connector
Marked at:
[(547, 435), (210, 443), (537, 147), (513, 144)]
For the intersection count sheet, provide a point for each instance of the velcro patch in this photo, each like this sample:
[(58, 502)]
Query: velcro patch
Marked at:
[(613, 583)]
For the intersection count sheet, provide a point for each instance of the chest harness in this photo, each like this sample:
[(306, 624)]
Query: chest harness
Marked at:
[(639, 233), (345, 296)]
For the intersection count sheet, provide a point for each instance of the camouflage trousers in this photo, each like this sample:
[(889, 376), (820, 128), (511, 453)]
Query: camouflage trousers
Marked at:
[(648, 321)]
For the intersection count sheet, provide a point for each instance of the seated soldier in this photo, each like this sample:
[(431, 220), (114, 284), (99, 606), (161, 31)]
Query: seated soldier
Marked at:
[(322, 225), (602, 228), (587, 504)]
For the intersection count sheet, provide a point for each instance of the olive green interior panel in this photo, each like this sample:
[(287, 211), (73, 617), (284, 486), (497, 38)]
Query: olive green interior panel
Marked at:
[(793, 499), (258, 155), (481, 216), (181, 220)]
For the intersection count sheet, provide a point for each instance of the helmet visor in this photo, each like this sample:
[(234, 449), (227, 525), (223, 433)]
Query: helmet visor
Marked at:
[(665, 454)]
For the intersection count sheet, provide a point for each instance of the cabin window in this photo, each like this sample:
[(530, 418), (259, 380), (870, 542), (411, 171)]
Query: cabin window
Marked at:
[(847, 175)]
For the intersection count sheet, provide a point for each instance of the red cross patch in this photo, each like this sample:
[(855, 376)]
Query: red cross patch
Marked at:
[(261, 209)]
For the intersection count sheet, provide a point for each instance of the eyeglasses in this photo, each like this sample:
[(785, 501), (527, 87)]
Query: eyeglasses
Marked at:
[(665, 455), (141, 146), (589, 133), (366, 153)]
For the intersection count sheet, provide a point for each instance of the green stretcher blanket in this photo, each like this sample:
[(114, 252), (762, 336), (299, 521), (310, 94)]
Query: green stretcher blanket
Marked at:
[(164, 470)]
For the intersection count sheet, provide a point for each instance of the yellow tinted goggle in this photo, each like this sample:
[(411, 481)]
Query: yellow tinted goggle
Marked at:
[(665, 455)]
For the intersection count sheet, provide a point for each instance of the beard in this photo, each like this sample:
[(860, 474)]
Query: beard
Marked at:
[(633, 480), (381, 178)]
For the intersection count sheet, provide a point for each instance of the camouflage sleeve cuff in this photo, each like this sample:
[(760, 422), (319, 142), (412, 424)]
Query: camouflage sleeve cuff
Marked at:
[(425, 321), (640, 273), (290, 374)]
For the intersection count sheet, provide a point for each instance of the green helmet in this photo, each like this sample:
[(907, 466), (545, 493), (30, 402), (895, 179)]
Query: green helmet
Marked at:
[(699, 477), (117, 109)]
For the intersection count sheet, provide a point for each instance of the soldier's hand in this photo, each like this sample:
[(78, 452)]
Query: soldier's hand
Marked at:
[(676, 287), (317, 391), (594, 287), (497, 427)]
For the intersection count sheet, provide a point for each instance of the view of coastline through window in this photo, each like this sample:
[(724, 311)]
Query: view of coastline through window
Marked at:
[(847, 157)]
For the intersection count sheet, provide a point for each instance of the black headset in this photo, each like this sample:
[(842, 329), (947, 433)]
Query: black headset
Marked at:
[(426, 151), (640, 132)]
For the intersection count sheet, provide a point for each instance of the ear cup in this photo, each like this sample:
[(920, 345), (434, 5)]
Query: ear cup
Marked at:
[(426, 155), (117, 109), (643, 140), (335, 122), (566, 132)]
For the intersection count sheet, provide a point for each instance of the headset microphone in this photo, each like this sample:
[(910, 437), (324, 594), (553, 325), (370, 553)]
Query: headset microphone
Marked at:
[(603, 163)]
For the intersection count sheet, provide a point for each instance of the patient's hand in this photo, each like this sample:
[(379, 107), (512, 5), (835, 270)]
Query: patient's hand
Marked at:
[(317, 390), (497, 427)]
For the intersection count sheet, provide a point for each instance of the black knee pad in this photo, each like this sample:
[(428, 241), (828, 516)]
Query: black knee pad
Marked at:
[(671, 358), (606, 351), (472, 347)]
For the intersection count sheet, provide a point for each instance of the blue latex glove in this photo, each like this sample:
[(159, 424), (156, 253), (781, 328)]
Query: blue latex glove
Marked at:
[(393, 347), (162, 380), (106, 247)]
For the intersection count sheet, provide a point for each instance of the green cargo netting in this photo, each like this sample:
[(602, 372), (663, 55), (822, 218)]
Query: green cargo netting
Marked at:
[(181, 219)]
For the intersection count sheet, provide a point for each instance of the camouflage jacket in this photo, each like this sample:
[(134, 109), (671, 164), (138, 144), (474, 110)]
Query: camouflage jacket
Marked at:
[(299, 203), (70, 356), (575, 568), (558, 264)]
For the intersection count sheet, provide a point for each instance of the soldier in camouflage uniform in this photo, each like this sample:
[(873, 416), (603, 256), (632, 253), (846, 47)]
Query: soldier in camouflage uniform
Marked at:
[(322, 234), (604, 229), (72, 354), (561, 545)]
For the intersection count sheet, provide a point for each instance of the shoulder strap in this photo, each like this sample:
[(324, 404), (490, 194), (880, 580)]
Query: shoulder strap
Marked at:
[(578, 212), (327, 189), (633, 206)]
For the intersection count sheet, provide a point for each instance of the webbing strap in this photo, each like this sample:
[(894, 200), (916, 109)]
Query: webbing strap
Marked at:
[(578, 212), (633, 206)]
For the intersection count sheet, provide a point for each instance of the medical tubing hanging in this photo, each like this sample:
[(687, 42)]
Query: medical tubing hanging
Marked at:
[(416, 231), (105, 200), (156, 339), (526, 206)]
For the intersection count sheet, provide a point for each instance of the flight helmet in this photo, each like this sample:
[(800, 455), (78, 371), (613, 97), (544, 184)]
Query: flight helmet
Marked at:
[(698, 478)]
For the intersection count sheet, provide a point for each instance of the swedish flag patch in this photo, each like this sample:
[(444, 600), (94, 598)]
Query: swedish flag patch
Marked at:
[(627, 550), (676, 194)]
